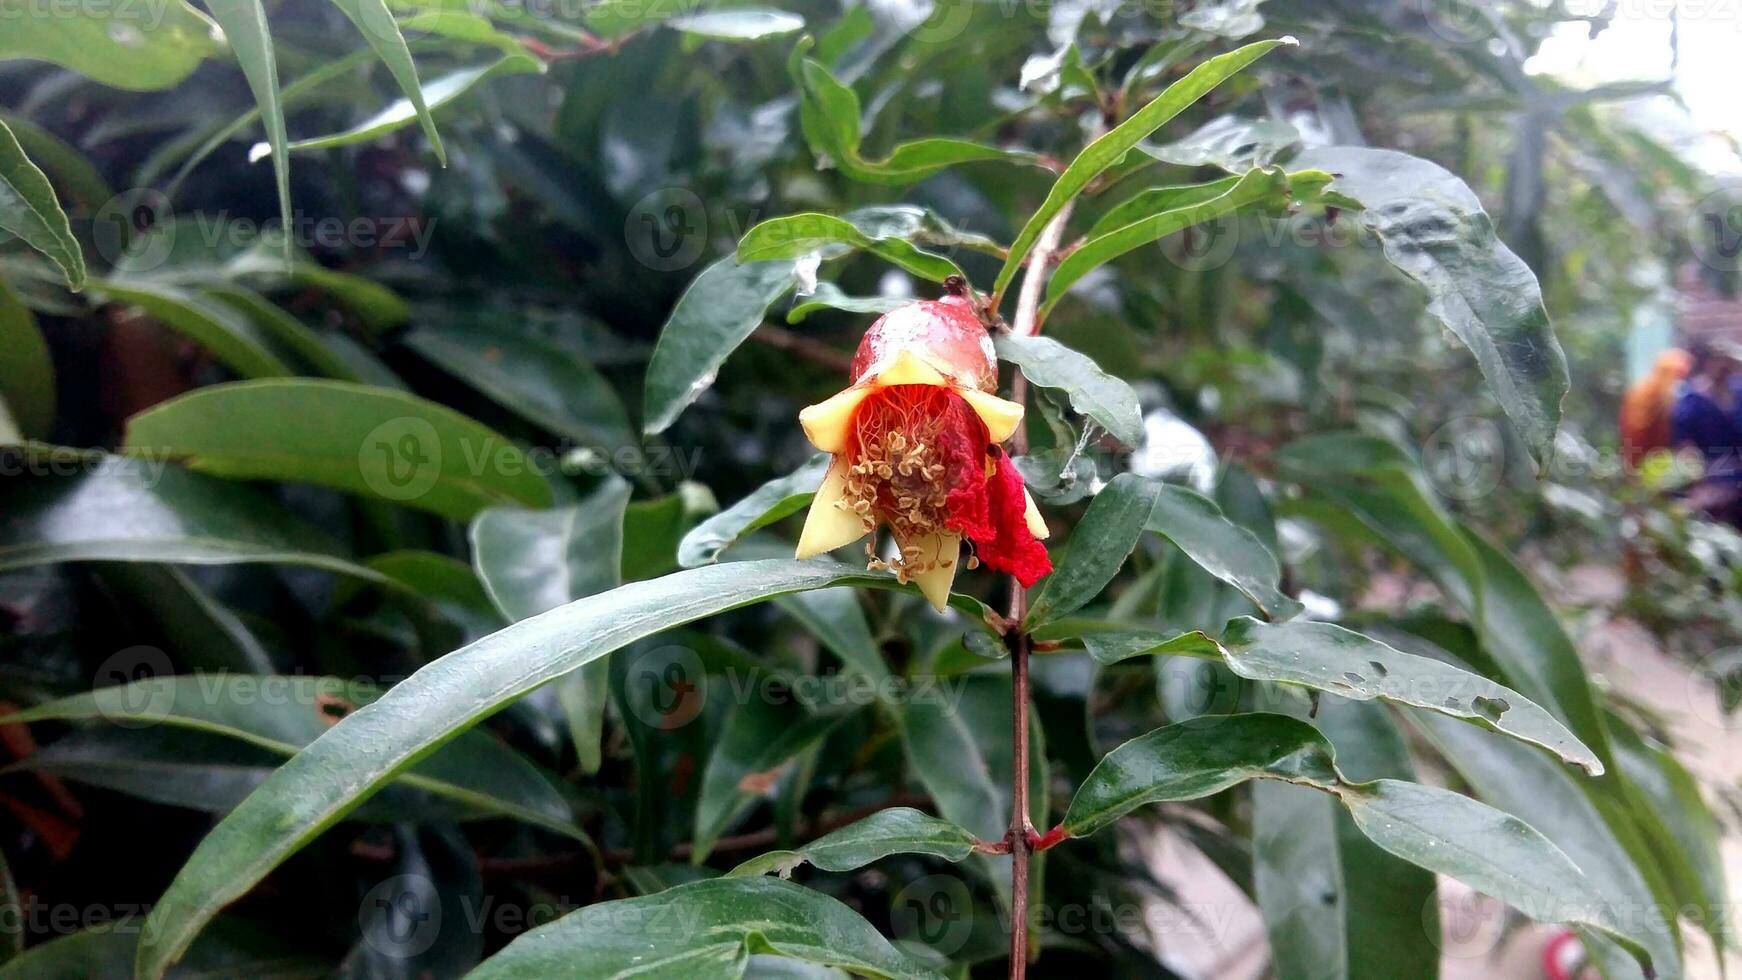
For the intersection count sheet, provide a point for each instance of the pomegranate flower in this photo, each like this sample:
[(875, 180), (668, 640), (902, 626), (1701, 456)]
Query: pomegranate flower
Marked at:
[(916, 444)]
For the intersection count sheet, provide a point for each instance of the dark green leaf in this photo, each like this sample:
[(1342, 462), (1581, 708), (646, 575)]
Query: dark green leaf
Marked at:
[(26, 373), (1219, 546), (1092, 391), (28, 207), (756, 749), (704, 929), (365, 440), (1434, 230), (1112, 147), (897, 830), (776, 499), (714, 315), (231, 336), (1098, 548), (356, 757), (286, 331)]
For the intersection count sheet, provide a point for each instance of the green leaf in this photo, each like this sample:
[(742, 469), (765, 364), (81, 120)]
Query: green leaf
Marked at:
[(549, 386), (375, 21), (438, 93), (201, 632), (1098, 548), (65, 166), (830, 115), (703, 929), (753, 752), (1112, 147), (360, 754), (28, 207), (475, 774), (713, 316), (1527, 785), (1156, 200), (1330, 658), (1433, 828), (285, 331), (738, 24), (361, 439), (139, 53), (231, 948), (778, 498), (1433, 229), (1232, 143), (800, 234), (1272, 188), (26, 372), (828, 296), (1226, 550), (250, 40), (897, 830), (1335, 905), (837, 620), (532, 561), (232, 337), (1092, 391), (1195, 759), (116, 509)]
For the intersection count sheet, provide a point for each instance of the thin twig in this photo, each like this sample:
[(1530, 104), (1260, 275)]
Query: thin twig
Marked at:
[(1028, 321)]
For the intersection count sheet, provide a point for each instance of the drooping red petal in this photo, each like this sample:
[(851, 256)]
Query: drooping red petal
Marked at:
[(1011, 548)]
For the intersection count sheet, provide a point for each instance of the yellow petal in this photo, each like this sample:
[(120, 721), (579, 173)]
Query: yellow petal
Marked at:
[(1031, 516), (1000, 415), (827, 423), (827, 527), (944, 548), (909, 368)]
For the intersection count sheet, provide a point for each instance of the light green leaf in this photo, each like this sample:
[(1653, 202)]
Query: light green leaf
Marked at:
[(1112, 147), (1433, 229), (474, 773), (250, 39), (1330, 658), (738, 24), (778, 498), (28, 207), (1092, 391), (800, 234), (376, 22), (702, 929), (897, 830), (1226, 550), (357, 756), (437, 94), (714, 315), (828, 296), (26, 372), (365, 440), (140, 49), (1272, 188), (232, 337), (1099, 545)]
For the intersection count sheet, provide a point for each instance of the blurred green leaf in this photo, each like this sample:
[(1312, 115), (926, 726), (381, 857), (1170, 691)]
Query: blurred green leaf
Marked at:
[(437, 93), (1226, 550), (128, 51), (738, 24), (1098, 547), (770, 502), (365, 440), (755, 750), (29, 209), (250, 40), (375, 21), (234, 338), (26, 373)]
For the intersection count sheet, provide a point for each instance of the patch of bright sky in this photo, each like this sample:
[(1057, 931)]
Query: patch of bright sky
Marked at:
[(1636, 47)]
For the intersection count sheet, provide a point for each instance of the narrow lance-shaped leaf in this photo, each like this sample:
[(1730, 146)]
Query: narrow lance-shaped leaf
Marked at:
[(358, 755), (778, 498), (746, 24), (28, 207), (1433, 229), (702, 929), (225, 331), (1098, 548), (26, 372), (1329, 658), (897, 830), (1272, 188), (1093, 392), (245, 27), (714, 315), (438, 93), (1226, 550), (1112, 147), (1442, 831), (379, 29), (800, 234)]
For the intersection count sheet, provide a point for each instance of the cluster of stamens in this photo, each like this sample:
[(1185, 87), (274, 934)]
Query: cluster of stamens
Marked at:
[(897, 476)]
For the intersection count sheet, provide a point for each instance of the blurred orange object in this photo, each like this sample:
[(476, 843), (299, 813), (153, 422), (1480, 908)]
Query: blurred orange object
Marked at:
[(1646, 405)]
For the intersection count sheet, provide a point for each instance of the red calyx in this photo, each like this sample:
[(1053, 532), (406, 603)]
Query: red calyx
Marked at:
[(1011, 548)]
